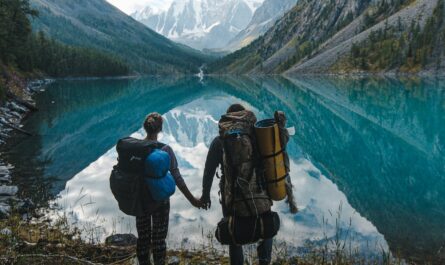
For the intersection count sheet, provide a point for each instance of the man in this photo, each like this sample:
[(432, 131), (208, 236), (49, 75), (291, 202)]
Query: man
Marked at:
[(215, 158)]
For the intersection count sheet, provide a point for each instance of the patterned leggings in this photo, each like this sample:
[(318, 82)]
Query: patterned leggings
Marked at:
[(152, 231)]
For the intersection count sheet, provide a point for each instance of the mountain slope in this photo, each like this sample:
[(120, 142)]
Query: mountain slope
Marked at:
[(202, 24), (333, 53), (316, 35), (96, 23), (263, 19)]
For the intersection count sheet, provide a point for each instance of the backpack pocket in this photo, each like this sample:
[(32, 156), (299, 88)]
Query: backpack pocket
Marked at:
[(161, 188)]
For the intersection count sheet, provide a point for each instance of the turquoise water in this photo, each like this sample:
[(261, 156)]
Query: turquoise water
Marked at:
[(368, 154)]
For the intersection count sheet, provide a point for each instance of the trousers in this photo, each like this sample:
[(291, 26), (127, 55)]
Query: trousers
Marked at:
[(152, 231)]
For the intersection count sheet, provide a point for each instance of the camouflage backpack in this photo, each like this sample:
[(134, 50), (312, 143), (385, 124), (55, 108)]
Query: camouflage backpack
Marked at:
[(243, 192)]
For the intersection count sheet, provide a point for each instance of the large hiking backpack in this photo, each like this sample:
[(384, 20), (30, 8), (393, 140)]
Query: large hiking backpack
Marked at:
[(234, 230), (127, 181), (243, 190)]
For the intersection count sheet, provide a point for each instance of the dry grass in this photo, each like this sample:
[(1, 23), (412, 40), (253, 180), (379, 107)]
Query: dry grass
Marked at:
[(49, 242)]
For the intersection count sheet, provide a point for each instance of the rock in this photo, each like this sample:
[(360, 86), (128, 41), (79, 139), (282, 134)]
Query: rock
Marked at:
[(212, 257), (8, 190), (189, 255), (4, 170), (6, 199), (173, 260), (5, 180), (6, 232), (5, 176), (25, 206), (4, 210), (121, 240)]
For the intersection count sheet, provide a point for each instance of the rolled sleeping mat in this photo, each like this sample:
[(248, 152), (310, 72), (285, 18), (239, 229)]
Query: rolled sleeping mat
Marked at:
[(270, 148)]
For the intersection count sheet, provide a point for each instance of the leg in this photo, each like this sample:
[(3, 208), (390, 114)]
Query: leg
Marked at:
[(159, 234), (143, 226), (236, 255), (265, 251)]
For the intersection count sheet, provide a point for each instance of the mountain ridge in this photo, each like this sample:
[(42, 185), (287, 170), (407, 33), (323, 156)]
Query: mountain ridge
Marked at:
[(263, 19), (299, 41), (202, 24), (100, 25)]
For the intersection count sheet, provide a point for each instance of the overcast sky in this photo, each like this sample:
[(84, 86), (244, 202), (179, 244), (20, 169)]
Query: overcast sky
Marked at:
[(129, 6)]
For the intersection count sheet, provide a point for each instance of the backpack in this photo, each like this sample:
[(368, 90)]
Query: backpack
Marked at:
[(127, 180), (234, 230), (243, 187)]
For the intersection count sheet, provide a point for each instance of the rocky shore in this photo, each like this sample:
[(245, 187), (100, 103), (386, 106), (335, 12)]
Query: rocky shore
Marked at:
[(17, 106)]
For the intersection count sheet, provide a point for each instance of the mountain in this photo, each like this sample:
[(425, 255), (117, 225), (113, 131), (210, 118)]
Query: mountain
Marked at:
[(201, 24), (97, 24), (330, 36), (263, 19)]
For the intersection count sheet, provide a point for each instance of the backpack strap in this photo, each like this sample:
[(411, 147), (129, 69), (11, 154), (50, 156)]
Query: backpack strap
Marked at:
[(156, 144)]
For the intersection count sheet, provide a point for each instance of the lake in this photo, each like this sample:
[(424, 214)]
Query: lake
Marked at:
[(367, 159)]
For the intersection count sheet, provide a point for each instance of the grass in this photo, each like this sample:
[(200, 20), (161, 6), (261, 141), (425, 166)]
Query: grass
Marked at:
[(47, 242), (40, 241)]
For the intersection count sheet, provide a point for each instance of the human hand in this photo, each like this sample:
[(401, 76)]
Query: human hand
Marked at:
[(206, 203), (196, 203)]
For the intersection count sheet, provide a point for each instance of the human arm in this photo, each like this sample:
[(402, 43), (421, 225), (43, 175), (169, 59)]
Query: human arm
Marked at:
[(179, 180), (214, 159)]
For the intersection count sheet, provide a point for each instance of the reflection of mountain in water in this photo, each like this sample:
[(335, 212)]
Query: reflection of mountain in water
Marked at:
[(317, 195), (79, 121), (380, 141), (191, 124)]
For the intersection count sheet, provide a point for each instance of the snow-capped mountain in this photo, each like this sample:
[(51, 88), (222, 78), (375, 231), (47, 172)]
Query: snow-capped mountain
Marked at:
[(201, 24), (263, 19)]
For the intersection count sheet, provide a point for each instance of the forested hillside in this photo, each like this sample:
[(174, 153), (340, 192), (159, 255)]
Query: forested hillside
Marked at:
[(405, 48), (319, 36), (97, 24), (22, 51)]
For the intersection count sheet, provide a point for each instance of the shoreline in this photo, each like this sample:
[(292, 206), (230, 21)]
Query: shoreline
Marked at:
[(37, 90), (13, 111)]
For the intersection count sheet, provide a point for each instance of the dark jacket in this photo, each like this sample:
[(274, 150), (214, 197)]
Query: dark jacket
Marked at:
[(213, 161)]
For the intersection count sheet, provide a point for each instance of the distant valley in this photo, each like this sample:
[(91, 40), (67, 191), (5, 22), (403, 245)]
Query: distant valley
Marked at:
[(98, 24)]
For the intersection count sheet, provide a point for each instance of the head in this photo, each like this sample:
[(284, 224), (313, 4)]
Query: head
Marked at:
[(235, 108), (153, 125)]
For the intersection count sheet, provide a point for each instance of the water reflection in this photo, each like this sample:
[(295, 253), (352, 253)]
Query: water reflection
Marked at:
[(187, 130), (374, 146)]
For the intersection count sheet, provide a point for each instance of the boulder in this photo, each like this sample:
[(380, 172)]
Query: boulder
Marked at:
[(5, 209), (174, 260), (8, 190), (6, 232), (25, 206), (121, 240)]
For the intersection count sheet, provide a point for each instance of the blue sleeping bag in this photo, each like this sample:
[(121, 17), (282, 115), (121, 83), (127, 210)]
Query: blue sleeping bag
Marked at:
[(158, 178)]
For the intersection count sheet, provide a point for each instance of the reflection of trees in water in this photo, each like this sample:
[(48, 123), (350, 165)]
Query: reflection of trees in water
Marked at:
[(86, 120), (381, 140), (28, 174), (392, 183), (410, 108)]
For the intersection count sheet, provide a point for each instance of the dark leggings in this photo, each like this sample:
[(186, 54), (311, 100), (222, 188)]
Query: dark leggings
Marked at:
[(152, 231)]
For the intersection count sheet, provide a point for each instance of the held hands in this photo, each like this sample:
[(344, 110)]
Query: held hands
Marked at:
[(203, 203), (197, 203), (206, 203)]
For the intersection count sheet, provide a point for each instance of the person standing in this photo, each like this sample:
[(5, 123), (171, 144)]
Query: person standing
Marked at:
[(238, 197), (152, 227)]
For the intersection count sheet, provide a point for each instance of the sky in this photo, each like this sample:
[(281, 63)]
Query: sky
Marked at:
[(129, 6)]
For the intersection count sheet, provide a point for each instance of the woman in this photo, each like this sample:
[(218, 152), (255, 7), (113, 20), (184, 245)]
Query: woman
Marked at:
[(152, 227)]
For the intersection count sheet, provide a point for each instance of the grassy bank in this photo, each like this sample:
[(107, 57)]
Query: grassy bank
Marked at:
[(48, 242)]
